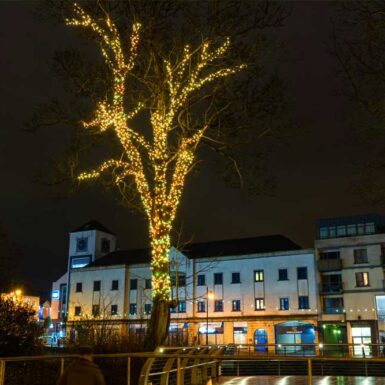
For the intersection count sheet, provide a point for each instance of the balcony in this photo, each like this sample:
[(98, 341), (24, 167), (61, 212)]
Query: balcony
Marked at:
[(329, 265), (331, 288), (333, 310)]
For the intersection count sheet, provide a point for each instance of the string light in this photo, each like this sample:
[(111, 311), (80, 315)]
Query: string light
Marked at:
[(169, 166)]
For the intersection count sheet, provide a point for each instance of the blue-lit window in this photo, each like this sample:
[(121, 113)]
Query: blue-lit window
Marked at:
[(133, 284), (284, 303), (182, 307), (132, 308), (218, 278), (114, 309), (282, 275), (301, 272), (147, 308), (235, 277), (201, 307), (172, 309), (303, 302), (79, 262), (236, 305), (218, 305), (201, 281)]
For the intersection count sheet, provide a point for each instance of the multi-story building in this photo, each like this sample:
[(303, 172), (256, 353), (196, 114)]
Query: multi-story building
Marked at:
[(350, 260), (263, 290)]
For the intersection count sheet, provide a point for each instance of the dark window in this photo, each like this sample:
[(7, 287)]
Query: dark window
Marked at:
[(327, 255), (133, 284), (179, 278), (172, 309), (362, 279), (218, 305), (201, 306), (96, 285), (284, 303), (147, 308), (218, 278), (63, 293), (333, 305), (341, 231), (236, 305), (132, 308), (259, 304), (282, 275), (331, 283), (115, 285), (106, 245), (95, 310), (182, 307), (114, 309), (148, 284), (351, 230), (259, 276), (235, 277), (360, 256), (301, 272), (303, 302), (79, 287), (82, 244), (201, 281), (78, 310)]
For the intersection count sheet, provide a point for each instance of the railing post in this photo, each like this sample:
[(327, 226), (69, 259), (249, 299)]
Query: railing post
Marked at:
[(128, 370), (366, 368), (2, 372), (309, 373), (61, 366), (237, 368), (178, 372)]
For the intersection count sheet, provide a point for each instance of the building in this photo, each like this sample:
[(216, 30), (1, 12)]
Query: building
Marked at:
[(350, 260), (19, 297), (264, 291)]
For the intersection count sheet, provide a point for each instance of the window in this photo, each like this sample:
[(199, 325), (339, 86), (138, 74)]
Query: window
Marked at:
[(78, 311), (360, 256), (96, 285), (235, 277), (105, 245), (323, 232), (301, 272), (81, 244), (327, 255), (370, 228), (352, 230), (236, 305), (147, 308), (361, 228), (133, 284), (259, 304), (179, 278), (77, 263), (284, 303), (331, 283), (332, 232), (132, 308), (114, 309), (259, 276), (172, 309), (303, 302), (218, 278), (333, 305), (182, 307), (282, 275), (63, 293), (341, 231), (79, 287), (148, 284), (218, 305), (115, 285), (201, 307), (201, 281), (95, 310), (362, 279)]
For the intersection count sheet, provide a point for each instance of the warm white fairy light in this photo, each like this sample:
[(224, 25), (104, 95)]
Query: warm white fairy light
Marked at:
[(169, 169)]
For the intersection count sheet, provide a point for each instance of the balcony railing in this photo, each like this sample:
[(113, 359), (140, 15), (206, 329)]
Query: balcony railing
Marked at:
[(329, 264), (331, 288), (333, 310)]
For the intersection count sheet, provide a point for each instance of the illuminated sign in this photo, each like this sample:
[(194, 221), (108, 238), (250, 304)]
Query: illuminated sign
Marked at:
[(55, 294)]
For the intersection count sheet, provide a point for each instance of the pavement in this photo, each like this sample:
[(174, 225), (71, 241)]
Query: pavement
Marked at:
[(300, 380)]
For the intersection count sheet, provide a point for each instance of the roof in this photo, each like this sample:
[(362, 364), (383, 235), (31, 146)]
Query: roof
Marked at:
[(243, 246), (92, 225)]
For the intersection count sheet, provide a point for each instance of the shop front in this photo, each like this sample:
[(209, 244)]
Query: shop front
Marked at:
[(178, 333), (240, 333), (295, 338), (334, 338), (213, 331), (362, 340)]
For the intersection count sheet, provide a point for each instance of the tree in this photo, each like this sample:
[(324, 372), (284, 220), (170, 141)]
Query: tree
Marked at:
[(164, 102), (19, 331), (358, 45)]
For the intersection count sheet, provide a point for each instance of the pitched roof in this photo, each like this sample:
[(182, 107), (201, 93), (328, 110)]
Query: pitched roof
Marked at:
[(243, 246), (92, 225)]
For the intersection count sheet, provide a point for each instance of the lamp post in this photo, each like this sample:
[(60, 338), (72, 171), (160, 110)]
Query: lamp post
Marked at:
[(209, 295)]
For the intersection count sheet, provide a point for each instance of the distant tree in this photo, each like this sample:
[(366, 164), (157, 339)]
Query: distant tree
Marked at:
[(165, 93), (19, 331), (359, 47)]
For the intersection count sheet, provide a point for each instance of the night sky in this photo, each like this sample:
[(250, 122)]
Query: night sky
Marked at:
[(313, 174)]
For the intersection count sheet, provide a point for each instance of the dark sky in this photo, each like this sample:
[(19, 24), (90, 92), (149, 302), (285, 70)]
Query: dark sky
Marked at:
[(313, 174)]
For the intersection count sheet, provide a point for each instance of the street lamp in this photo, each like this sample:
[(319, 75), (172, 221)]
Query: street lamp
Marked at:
[(209, 295)]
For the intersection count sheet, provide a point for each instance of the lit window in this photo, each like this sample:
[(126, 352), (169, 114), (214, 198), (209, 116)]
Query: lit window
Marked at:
[(182, 307), (259, 276), (259, 304), (362, 279)]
